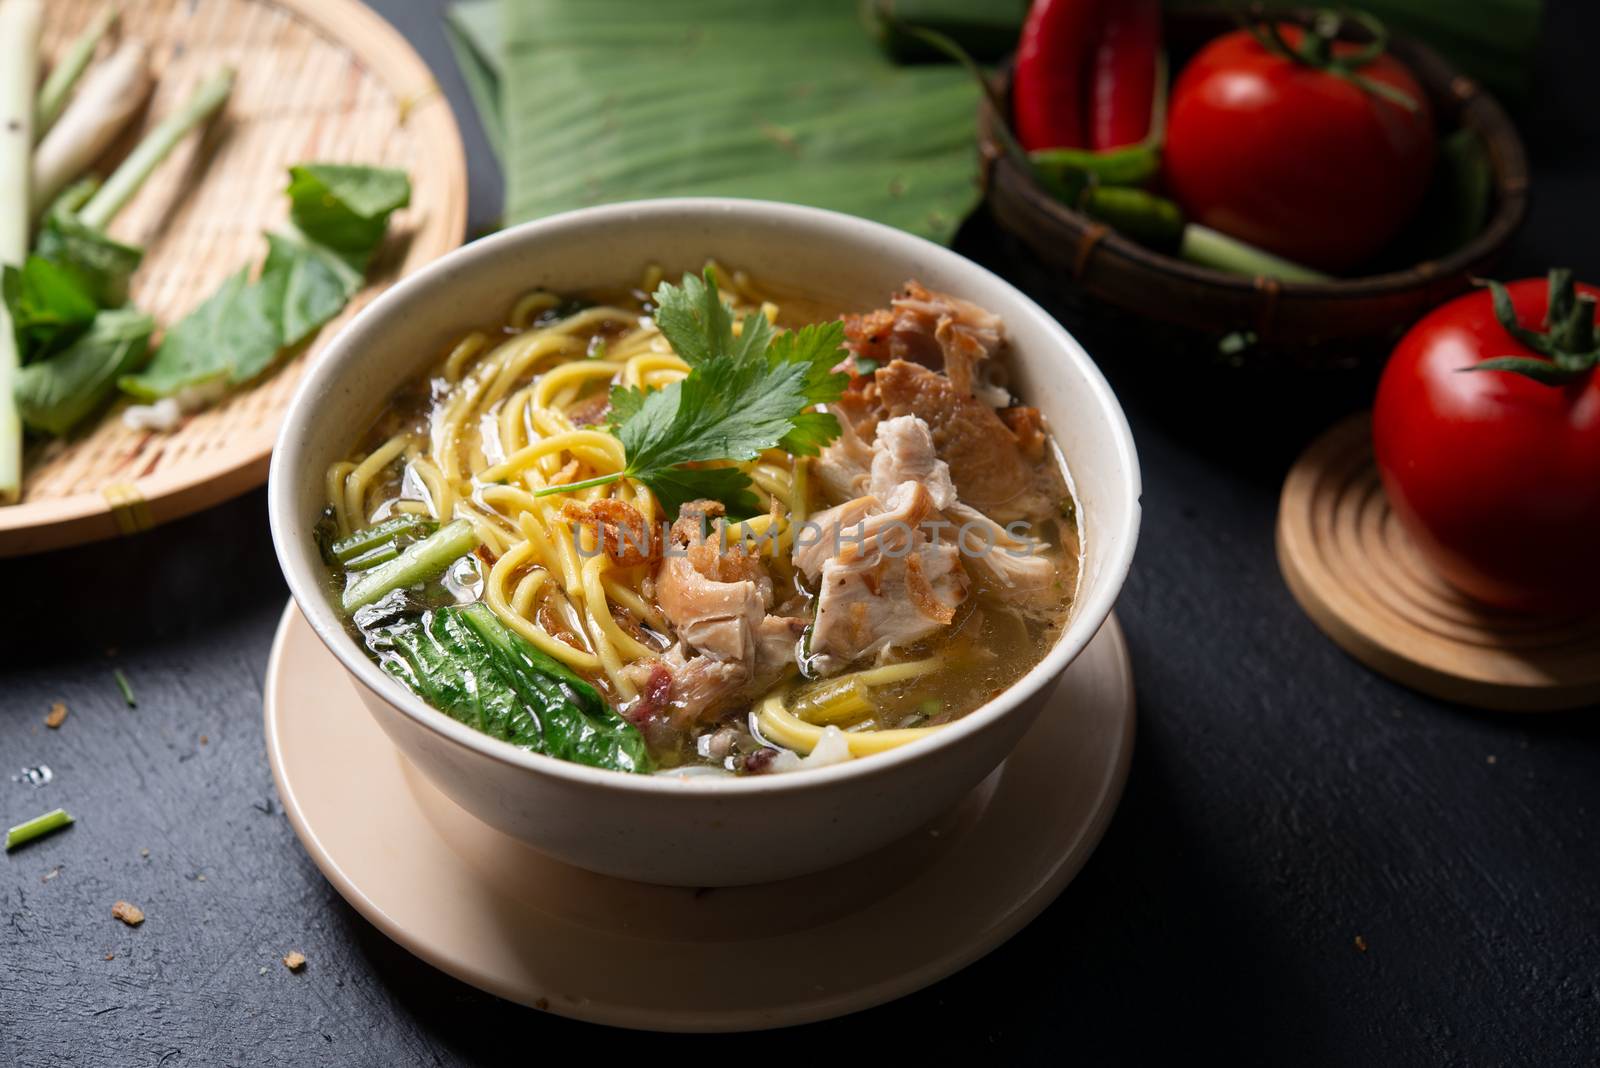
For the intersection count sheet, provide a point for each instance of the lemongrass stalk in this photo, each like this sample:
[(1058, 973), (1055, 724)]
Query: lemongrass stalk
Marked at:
[(149, 153), (19, 73), (57, 87), (110, 97)]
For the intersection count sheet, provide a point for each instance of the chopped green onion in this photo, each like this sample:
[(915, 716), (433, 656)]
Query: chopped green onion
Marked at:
[(127, 690), (373, 557), (420, 562), (363, 541), (38, 827)]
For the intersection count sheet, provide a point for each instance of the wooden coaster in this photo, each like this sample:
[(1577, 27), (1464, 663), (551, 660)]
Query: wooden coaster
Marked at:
[(1360, 578), (318, 80)]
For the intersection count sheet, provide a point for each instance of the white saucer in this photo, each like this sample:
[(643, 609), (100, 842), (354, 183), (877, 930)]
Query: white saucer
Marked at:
[(494, 913)]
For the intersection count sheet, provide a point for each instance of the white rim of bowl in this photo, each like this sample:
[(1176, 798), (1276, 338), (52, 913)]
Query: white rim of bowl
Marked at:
[(299, 566)]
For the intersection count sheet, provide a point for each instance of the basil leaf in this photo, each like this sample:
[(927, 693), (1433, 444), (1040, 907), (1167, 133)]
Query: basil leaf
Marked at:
[(308, 285), (233, 328), (309, 275), (48, 306), (346, 208), (101, 266)]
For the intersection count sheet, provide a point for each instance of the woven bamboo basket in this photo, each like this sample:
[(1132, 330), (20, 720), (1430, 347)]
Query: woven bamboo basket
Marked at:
[(324, 80), (1136, 279)]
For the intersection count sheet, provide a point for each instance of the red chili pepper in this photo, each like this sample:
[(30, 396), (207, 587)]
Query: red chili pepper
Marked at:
[(1047, 105), (1123, 82)]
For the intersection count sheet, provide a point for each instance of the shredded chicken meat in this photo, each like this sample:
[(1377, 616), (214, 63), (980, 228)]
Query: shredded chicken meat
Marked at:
[(929, 328), (717, 595), (882, 581)]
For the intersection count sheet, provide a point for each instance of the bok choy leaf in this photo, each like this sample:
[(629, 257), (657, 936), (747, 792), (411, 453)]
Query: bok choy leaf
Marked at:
[(469, 665)]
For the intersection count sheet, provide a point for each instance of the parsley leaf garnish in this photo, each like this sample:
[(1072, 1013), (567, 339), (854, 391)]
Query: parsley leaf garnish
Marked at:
[(744, 394)]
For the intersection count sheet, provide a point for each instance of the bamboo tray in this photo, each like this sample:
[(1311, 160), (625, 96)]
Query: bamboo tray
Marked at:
[(323, 80)]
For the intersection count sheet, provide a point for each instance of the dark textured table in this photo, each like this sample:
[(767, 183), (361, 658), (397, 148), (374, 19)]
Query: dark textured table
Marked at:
[(1285, 807)]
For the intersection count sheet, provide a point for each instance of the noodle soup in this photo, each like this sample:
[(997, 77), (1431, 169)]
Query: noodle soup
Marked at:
[(696, 528)]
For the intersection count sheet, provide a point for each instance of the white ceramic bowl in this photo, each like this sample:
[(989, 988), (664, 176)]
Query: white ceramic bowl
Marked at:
[(699, 831)]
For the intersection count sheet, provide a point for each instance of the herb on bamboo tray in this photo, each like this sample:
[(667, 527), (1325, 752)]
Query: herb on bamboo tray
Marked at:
[(339, 214)]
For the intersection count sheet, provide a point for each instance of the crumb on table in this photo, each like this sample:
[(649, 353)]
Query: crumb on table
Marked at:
[(1361, 944), (294, 960), (132, 915), (57, 716)]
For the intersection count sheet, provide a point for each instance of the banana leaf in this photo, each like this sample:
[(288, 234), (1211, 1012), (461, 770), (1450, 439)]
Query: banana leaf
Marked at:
[(473, 30), (610, 100)]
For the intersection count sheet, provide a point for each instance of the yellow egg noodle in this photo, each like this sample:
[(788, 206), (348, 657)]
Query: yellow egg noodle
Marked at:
[(501, 430)]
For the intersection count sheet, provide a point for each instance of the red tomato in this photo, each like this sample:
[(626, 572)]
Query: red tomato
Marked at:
[(1496, 476), (1295, 159)]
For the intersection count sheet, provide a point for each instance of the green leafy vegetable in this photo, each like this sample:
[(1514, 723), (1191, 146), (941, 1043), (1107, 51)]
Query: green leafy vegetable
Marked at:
[(101, 265), (699, 325), (745, 392), (231, 326), (419, 562), (54, 395), (48, 307), (38, 827), (346, 208), (340, 213), (466, 663)]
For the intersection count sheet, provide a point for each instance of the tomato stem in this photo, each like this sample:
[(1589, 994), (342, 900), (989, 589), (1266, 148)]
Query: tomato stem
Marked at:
[(1315, 49), (1567, 341)]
